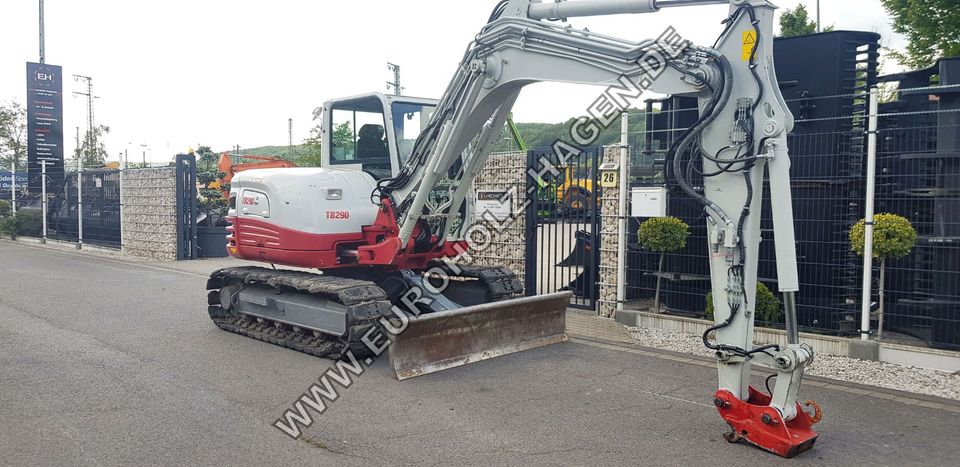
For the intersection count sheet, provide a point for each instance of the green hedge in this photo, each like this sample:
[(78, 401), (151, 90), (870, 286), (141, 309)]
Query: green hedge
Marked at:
[(29, 222), (768, 307)]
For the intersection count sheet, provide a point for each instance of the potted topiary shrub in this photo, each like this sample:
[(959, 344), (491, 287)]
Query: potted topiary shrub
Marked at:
[(893, 237), (212, 205), (663, 235)]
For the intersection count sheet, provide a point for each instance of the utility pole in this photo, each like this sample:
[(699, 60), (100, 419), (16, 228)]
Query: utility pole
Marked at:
[(43, 51), (818, 16), (290, 132), (395, 84), (90, 141)]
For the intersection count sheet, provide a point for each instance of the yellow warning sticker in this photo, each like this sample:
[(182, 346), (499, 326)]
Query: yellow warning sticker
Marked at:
[(749, 42)]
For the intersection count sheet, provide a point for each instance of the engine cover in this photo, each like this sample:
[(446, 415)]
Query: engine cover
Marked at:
[(298, 216)]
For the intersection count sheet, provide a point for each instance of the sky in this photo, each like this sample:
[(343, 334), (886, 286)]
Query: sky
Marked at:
[(171, 75)]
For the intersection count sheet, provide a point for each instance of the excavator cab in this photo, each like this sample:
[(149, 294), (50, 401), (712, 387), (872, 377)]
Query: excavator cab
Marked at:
[(374, 133)]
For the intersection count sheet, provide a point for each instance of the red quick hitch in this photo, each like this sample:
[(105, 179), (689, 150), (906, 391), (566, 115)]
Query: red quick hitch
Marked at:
[(755, 422)]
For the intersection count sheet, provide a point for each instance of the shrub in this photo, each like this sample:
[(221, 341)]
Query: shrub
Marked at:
[(9, 225), (4, 208), (663, 234), (767, 309), (893, 236), (29, 222)]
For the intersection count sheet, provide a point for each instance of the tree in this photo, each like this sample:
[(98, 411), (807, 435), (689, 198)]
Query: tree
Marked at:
[(312, 149), (663, 235), (92, 152), (13, 135), (893, 237), (343, 136), (796, 22), (932, 28)]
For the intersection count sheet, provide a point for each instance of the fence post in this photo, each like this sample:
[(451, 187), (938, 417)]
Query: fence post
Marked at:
[(43, 199), (868, 217), (622, 210), (79, 204), (533, 206), (123, 170), (13, 186)]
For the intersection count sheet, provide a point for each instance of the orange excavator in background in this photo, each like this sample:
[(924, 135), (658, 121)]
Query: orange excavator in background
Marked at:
[(226, 165)]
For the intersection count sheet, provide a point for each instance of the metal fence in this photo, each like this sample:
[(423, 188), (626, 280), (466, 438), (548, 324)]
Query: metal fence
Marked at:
[(917, 177), (81, 207)]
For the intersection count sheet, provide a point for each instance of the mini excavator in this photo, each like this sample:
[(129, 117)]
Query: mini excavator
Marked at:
[(385, 220)]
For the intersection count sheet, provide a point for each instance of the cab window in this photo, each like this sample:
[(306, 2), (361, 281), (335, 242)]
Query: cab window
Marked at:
[(409, 120), (358, 136)]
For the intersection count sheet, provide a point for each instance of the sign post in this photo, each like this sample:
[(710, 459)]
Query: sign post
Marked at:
[(43, 191), (44, 125)]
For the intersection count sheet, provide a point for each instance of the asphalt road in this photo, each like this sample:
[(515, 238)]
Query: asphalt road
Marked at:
[(104, 363)]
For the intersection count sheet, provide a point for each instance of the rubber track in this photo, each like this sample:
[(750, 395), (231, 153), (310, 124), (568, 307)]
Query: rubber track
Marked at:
[(361, 297)]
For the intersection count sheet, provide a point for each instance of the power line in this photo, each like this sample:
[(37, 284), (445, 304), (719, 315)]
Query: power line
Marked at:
[(395, 84), (90, 141)]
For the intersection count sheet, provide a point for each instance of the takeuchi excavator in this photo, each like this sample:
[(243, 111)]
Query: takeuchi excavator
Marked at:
[(386, 223)]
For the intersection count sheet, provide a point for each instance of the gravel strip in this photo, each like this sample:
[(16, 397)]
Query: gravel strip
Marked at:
[(881, 374)]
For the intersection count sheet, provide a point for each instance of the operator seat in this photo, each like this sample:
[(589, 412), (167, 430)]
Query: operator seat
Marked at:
[(370, 142)]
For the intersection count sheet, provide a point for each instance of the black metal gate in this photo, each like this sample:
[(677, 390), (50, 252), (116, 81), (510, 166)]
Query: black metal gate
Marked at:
[(186, 206), (563, 223)]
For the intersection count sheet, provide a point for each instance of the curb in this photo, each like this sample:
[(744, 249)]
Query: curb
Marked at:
[(903, 397)]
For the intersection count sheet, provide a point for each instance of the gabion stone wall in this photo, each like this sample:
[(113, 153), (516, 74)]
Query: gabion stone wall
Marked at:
[(149, 213), (505, 243), (609, 238)]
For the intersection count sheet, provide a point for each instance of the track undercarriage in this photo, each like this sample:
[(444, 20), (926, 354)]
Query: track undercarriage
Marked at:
[(327, 315)]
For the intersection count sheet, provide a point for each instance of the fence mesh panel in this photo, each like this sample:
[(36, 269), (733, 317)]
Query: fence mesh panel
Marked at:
[(918, 177)]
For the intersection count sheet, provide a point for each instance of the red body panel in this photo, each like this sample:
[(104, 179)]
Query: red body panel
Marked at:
[(759, 424), (376, 245), (259, 240)]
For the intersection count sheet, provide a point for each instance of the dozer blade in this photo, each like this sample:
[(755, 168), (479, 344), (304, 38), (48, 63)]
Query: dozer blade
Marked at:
[(446, 339)]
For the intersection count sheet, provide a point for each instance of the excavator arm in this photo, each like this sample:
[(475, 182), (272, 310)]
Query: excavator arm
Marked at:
[(739, 138)]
